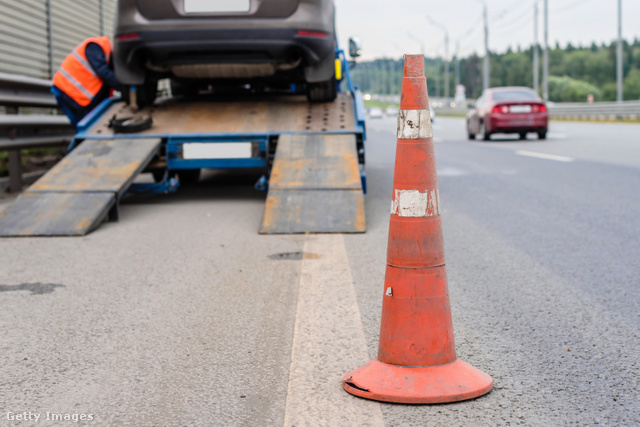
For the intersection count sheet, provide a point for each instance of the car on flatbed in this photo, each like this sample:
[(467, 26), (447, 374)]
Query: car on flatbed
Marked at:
[(268, 45), (508, 110)]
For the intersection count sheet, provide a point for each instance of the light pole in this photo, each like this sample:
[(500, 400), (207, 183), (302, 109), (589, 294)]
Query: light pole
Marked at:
[(457, 64), (536, 54), (446, 56), (619, 53), (545, 59), (485, 63)]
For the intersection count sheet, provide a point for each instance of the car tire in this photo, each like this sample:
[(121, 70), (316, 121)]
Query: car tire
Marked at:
[(470, 135), (130, 124), (542, 135), (523, 135), (326, 91), (486, 136), (183, 88), (189, 176)]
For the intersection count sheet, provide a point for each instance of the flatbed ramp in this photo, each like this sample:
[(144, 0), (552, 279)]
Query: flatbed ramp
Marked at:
[(238, 115), (315, 186), (77, 194)]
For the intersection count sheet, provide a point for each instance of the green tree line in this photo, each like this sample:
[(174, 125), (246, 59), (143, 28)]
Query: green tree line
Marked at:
[(574, 72)]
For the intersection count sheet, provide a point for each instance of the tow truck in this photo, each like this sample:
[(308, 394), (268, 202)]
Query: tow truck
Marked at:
[(313, 155)]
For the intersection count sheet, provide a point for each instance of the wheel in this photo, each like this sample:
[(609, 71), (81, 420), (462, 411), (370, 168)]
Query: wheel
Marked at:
[(523, 135), (130, 124), (189, 176), (542, 134), (485, 134), (183, 88), (470, 135), (323, 91)]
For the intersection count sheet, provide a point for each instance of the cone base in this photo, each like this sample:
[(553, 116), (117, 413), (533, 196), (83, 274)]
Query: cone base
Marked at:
[(451, 382)]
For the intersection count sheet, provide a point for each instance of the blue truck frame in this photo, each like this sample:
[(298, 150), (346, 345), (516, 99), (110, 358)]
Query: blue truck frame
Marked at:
[(259, 159)]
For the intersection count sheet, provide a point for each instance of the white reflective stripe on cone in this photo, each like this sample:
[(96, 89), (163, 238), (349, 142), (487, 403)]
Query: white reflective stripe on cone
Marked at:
[(413, 203), (414, 124)]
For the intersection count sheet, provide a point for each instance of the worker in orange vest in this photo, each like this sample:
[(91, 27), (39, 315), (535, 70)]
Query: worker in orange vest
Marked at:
[(85, 78)]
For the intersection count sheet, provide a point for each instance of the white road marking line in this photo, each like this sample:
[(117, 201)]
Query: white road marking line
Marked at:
[(545, 156), (328, 341)]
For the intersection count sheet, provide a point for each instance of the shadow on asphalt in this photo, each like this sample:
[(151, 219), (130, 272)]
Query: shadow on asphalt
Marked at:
[(511, 138), (228, 184)]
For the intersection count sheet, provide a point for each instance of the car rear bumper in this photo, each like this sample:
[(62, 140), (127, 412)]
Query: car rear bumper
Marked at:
[(507, 123), (216, 46), (164, 49)]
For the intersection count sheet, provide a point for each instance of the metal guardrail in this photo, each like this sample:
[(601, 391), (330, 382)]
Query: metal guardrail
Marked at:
[(565, 110), (24, 131), (596, 110)]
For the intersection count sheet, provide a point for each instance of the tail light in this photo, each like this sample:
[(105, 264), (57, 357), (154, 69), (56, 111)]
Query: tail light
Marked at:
[(308, 33), (127, 36), (500, 109), (536, 108)]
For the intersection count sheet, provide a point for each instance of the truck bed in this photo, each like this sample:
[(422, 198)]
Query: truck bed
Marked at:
[(251, 115)]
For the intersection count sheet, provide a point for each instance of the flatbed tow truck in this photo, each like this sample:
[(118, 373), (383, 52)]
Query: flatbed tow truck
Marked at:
[(313, 155)]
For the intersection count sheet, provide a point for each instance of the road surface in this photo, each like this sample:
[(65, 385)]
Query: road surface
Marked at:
[(181, 314)]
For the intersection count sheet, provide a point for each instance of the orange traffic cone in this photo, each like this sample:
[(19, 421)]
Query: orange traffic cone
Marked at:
[(417, 361)]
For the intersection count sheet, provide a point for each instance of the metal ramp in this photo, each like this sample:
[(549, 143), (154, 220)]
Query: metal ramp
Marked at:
[(77, 194), (315, 186)]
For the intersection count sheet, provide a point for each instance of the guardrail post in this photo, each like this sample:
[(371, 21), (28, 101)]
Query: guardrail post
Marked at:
[(15, 171), (15, 162)]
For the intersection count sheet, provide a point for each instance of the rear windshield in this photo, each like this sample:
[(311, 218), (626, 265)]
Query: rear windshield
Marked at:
[(514, 95)]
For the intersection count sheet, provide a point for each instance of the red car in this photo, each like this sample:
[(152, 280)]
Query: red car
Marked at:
[(508, 110)]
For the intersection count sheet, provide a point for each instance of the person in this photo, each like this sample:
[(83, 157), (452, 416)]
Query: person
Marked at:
[(85, 78)]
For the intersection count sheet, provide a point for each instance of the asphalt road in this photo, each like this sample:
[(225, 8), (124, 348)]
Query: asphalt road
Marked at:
[(181, 314)]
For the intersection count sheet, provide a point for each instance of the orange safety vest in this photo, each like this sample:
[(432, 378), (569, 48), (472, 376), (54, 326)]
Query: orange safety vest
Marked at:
[(76, 77)]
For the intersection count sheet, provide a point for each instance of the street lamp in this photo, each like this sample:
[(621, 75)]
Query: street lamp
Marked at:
[(485, 64), (545, 57), (619, 54), (536, 61), (446, 56)]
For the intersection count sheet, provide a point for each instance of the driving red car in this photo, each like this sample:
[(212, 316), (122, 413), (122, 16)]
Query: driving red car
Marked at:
[(508, 110)]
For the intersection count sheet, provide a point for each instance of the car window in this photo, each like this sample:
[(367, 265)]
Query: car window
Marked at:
[(514, 95)]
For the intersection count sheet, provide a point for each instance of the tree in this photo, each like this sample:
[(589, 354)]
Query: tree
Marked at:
[(471, 75), (566, 89), (632, 85)]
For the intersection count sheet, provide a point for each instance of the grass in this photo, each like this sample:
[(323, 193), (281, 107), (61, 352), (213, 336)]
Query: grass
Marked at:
[(379, 104), (440, 113)]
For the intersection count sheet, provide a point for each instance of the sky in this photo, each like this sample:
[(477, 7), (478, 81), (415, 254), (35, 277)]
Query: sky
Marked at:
[(391, 28)]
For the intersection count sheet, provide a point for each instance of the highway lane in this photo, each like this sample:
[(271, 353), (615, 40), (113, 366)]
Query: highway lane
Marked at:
[(543, 266), (181, 314)]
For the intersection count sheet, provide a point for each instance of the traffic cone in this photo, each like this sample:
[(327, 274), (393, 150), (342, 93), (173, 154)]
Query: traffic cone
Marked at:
[(417, 361)]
